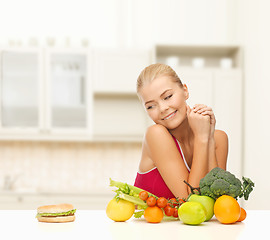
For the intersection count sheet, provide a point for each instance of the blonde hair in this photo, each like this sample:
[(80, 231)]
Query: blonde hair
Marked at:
[(154, 71)]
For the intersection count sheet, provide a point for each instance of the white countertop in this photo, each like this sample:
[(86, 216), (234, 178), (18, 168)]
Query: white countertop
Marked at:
[(94, 224)]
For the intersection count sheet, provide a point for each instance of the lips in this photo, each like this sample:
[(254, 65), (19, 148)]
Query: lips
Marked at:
[(169, 116)]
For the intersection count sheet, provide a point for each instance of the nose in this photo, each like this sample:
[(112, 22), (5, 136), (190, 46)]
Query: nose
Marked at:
[(163, 107)]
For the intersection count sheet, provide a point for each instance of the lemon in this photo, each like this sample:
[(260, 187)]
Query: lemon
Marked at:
[(192, 213), (120, 211)]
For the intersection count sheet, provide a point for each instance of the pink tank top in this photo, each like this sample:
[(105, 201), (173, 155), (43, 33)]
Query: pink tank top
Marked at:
[(152, 181)]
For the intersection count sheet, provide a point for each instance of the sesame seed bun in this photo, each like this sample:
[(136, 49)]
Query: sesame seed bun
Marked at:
[(64, 207)]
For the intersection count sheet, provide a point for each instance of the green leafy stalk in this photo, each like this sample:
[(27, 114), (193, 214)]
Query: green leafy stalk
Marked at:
[(135, 200), (247, 187), (128, 189), (138, 214)]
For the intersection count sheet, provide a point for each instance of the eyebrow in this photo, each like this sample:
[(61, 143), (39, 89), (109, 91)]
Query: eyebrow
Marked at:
[(160, 96)]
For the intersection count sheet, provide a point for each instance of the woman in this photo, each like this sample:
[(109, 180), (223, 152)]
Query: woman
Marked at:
[(183, 144)]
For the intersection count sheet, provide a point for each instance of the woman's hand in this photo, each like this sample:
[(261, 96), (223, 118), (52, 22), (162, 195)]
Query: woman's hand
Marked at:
[(205, 110), (199, 123)]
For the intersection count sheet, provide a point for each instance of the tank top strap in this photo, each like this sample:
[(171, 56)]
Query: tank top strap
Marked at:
[(181, 152)]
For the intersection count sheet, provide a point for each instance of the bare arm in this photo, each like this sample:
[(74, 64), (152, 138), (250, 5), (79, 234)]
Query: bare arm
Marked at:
[(200, 164), (200, 125), (218, 140), (221, 148), (212, 154), (161, 148)]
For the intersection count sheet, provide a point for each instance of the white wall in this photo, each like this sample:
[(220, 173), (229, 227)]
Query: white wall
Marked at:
[(116, 23), (254, 29)]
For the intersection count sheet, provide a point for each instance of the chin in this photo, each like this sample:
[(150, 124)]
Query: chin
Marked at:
[(175, 124)]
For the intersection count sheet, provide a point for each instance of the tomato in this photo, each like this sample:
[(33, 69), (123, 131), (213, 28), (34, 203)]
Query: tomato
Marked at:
[(162, 202), (151, 201), (181, 201), (173, 201), (143, 195), (243, 215), (175, 212), (169, 210)]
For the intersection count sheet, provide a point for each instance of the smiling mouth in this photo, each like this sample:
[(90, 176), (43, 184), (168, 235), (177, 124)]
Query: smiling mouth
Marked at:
[(170, 115)]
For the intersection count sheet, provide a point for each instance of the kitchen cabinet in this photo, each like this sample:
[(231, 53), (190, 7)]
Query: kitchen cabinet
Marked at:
[(69, 91), (199, 83), (21, 90), (72, 94), (116, 71), (122, 116), (44, 92), (118, 111), (90, 94)]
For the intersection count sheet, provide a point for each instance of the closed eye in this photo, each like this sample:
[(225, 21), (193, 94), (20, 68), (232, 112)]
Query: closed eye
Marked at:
[(166, 98)]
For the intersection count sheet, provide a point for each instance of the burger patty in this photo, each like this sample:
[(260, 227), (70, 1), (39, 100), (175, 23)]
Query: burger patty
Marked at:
[(72, 214)]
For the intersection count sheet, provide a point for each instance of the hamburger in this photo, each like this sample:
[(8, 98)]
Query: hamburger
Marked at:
[(56, 213)]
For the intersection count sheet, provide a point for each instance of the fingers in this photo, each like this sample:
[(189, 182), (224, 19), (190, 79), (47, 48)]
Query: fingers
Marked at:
[(200, 108), (204, 110)]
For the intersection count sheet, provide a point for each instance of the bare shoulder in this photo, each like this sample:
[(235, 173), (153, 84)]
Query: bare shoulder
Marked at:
[(158, 138), (157, 133), (156, 129), (221, 137)]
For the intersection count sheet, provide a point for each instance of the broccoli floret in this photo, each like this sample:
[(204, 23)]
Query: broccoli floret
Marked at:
[(220, 182), (219, 188)]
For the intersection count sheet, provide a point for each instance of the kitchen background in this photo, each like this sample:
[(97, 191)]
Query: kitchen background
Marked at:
[(70, 117)]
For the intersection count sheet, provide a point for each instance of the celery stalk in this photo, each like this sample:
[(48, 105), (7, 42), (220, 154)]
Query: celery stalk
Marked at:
[(124, 186), (128, 189), (135, 200)]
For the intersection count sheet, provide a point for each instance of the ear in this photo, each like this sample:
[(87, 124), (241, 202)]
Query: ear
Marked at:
[(186, 92)]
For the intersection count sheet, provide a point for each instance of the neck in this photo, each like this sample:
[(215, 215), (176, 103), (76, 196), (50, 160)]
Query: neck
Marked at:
[(183, 132)]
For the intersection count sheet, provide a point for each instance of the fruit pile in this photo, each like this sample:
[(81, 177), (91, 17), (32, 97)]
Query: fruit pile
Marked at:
[(196, 210)]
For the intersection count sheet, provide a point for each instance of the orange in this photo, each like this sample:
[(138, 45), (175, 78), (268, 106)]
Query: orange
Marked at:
[(153, 214), (243, 215), (226, 209)]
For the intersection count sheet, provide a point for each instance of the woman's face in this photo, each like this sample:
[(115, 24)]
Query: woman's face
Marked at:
[(165, 101)]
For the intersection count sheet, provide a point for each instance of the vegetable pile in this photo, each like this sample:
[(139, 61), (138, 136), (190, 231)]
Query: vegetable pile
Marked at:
[(219, 185)]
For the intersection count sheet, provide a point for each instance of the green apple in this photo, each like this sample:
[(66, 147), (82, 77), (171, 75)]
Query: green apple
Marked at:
[(206, 201), (192, 213)]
